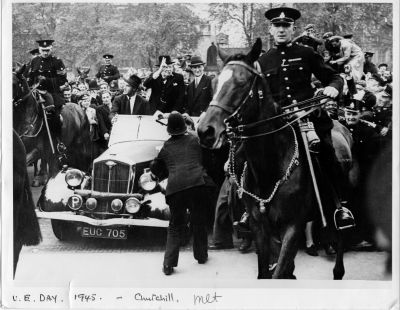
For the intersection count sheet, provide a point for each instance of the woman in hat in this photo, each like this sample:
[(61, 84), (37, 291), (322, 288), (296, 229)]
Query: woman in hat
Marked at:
[(189, 187)]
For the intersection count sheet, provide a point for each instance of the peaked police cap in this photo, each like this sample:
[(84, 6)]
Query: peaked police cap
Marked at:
[(282, 15)]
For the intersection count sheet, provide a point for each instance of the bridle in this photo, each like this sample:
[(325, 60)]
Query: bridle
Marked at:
[(31, 126), (18, 101), (234, 127)]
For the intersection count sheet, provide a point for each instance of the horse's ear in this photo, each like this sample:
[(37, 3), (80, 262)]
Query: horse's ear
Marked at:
[(255, 52), (79, 71), (87, 71), (224, 56)]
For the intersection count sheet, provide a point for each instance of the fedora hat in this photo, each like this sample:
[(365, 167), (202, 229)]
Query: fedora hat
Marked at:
[(133, 80), (93, 85), (168, 60), (196, 61)]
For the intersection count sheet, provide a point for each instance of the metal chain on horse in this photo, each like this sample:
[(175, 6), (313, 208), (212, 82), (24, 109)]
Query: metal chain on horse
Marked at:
[(262, 202)]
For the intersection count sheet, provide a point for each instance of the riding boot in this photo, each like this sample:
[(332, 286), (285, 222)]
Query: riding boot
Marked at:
[(343, 218)]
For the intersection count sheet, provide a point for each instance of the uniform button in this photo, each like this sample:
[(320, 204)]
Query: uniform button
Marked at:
[(268, 74), (284, 69), (289, 96), (294, 101), (287, 87), (301, 68), (286, 78), (283, 53)]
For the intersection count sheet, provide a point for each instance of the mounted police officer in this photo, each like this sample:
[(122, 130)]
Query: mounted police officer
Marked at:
[(288, 68), (108, 72), (48, 75)]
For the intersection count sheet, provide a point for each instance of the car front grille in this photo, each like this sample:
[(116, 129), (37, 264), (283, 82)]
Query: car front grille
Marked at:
[(114, 180)]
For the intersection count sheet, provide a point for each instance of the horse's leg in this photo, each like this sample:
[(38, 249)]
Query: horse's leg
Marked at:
[(285, 266), (262, 245), (43, 170), (338, 270)]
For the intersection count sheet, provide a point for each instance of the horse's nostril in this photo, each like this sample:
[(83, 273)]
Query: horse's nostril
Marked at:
[(207, 136)]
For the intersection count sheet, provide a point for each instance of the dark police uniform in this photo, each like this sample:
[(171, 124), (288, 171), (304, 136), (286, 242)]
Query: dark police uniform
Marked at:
[(53, 69), (288, 69), (108, 73)]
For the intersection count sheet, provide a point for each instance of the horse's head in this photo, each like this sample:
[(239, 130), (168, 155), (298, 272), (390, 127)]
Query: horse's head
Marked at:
[(20, 84), (232, 89)]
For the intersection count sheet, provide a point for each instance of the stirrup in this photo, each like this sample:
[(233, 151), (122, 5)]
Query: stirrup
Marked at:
[(340, 211), (61, 148)]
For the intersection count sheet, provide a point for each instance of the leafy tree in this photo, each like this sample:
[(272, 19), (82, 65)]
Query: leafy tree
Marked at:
[(135, 33)]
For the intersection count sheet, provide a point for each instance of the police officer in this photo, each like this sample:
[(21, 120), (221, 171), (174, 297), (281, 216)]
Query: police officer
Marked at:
[(189, 187), (48, 75), (365, 149), (108, 72), (288, 68)]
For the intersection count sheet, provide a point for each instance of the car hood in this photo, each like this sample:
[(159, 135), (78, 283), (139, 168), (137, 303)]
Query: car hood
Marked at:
[(132, 152)]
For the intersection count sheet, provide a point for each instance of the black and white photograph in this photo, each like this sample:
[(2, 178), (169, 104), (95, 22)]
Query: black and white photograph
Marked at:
[(228, 155)]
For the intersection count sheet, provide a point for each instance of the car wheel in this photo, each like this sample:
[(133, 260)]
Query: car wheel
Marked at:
[(63, 230)]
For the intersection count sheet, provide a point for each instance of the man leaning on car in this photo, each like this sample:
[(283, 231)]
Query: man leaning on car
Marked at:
[(130, 103)]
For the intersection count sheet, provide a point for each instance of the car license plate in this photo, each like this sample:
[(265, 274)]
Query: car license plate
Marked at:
[(104, 232)]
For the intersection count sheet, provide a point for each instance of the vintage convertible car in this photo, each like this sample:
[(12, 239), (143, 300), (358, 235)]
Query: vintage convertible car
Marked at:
[(118, 194)]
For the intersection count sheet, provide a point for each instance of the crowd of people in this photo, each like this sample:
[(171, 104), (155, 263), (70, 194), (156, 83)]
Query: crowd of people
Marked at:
[(360, 98)]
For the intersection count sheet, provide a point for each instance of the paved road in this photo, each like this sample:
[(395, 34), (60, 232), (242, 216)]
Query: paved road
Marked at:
[(141, 256)]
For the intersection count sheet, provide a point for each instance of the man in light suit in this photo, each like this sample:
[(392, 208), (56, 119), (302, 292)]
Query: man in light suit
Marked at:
[(130, 103), (199, 92), (167, 87)]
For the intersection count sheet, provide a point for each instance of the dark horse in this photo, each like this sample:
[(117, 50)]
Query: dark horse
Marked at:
[(26, 226), (275, 185), (29, 126), (29, 123)]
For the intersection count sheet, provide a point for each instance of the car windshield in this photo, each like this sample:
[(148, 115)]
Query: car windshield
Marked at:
[(137, 128)]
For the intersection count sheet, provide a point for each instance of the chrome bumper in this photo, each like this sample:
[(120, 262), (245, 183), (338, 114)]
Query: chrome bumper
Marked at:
[(72, 217)]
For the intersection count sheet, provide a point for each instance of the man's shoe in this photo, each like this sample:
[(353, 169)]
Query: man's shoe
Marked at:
[(312, 250), (202, 261), (220, 246), (168, 270), (343, 218), (245, 245)]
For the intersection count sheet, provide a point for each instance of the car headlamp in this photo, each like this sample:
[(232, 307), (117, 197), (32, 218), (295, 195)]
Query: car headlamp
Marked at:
[(75, 202), (146, 181), (74, 177), (116, 205), (91, 203), (132, 205)]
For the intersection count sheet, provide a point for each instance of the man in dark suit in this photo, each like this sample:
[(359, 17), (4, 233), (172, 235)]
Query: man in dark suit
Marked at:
[(189, 187), (199, 92), (167, 88), (130, 102)]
